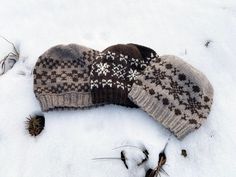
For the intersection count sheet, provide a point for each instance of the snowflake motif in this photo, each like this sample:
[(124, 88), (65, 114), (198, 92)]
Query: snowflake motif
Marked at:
[(158, 75), (106, 82), (94, 84), (118, 70), (193, 105), (132, 74), (135, 61), (102, 68), (123, 58), (175, 90), (120, 85), (110, 55)]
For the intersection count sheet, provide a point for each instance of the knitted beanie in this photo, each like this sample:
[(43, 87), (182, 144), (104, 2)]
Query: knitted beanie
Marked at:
[(61, 77), (174, 93), (115, 70)]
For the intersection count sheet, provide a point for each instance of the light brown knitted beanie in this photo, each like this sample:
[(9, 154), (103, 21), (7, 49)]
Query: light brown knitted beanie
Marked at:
[(174, 93), (62, 79)]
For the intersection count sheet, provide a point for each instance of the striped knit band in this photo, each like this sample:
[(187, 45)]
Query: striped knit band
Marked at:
[(64, 101)]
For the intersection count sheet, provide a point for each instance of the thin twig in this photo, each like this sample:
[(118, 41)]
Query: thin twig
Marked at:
[(144, 150), (13, 45), (15, 56), (107, 158)]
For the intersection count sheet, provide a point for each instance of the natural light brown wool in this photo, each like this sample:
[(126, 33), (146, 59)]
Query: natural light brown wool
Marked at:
[(61, 77), (174, 93)]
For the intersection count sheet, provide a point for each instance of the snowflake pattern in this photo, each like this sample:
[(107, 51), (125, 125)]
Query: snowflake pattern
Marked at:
[(157, 76), (132, 74), (118, 70), (135, 61), (193, 105), (102, 68), (120, 85), (106, 82), (175, 90), (188, 95), (123, 58), (110, 55)]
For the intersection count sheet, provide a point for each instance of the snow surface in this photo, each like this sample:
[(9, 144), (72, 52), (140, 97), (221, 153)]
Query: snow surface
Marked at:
[(72, 138)]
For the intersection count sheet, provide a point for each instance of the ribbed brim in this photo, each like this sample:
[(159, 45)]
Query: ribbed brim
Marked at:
[(66, 100), (111, 96), (159, 112)]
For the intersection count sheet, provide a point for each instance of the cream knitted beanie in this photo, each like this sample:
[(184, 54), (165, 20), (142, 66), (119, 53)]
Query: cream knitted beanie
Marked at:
[(174, 93)]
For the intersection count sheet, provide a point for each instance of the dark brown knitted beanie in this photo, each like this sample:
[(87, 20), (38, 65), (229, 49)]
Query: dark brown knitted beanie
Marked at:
[(115, 70), (173, 93), (61, 77)]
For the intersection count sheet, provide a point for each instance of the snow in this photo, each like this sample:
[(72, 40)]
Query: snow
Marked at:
[(71, 139)]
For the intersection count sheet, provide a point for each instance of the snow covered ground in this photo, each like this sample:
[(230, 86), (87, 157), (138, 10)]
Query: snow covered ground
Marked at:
[(72, 138)]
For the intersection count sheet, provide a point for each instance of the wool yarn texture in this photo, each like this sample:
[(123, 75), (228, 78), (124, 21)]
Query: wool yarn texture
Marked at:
[(115, 70), (174, 93), (62, 77)]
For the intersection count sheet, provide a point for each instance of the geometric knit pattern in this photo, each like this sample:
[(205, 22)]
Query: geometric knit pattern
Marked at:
[(113, 74), (61, 77), (174, 93)]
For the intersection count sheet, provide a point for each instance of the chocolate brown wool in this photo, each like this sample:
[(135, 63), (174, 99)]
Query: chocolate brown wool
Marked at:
[(61, 77), (115, 70), (174, 93)]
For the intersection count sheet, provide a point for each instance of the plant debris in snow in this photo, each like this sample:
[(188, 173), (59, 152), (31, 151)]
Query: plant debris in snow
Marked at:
[(122, 158), (143, 149), (184, 153), (10, 59), (159, 168), (35, 124), (207, 43)]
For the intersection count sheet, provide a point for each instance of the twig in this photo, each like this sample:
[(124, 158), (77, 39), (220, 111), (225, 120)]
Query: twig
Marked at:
[(122, 158), (159, 168), (13, 45), (14, 57), (144, 150)]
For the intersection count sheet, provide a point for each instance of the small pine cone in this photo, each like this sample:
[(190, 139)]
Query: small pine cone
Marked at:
[(35, 124)]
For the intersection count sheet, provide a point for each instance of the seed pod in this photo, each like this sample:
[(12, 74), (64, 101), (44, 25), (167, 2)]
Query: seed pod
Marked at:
[(184, 152), (35, 124)]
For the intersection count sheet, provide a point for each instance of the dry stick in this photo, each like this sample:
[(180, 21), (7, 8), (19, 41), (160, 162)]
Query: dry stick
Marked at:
[(107, 158), (13, 45), (16, 55), (144, 150), (122, 158), (162, 160), (3, 63)]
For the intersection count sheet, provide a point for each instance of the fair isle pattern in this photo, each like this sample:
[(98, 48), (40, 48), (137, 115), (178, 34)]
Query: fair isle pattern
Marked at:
[(183, 92), (117, 72), (61, 77)]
